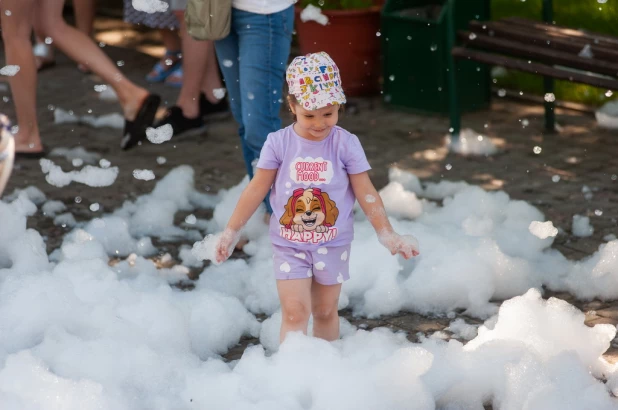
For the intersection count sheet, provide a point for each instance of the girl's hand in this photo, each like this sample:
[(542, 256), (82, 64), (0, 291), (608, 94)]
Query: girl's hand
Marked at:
[(406, 245), (226, 243)]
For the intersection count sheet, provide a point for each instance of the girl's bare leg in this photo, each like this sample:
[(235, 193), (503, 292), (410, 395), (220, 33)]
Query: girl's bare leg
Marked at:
[(324, 307), (295, 298)]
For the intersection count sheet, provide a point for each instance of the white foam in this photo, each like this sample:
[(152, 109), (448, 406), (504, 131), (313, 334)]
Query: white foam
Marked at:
[(542, 230), (471, 143), (143, 174), (88, 175), (160, 134), (51, 208), (313, 13), (65, 220), (75, 153), (9, 70), (113, 120), (150, 6), (581, 226), (607, 115), (101, 327)]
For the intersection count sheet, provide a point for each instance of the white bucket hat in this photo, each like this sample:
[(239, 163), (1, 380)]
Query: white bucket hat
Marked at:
[(315, 81)]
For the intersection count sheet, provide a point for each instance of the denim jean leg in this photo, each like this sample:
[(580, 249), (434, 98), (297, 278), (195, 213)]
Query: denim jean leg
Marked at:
[(264, 49), (227, 56)]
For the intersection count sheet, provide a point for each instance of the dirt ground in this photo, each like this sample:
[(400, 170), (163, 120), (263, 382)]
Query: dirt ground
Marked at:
[(580, 154)]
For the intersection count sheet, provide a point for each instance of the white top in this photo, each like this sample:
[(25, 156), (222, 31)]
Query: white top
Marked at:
[(262, 6)]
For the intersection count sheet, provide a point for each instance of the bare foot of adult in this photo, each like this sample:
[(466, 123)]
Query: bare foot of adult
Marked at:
[(132, 106), (30, 147), (139, 109), (43, 56)]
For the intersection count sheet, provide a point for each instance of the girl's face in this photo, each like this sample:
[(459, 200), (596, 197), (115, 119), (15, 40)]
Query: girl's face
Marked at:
[(315, 125)]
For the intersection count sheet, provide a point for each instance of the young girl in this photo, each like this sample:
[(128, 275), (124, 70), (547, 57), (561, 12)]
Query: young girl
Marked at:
[(316, 170)]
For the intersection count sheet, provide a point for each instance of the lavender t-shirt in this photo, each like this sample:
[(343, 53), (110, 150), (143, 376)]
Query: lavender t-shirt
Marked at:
[(312, 198)]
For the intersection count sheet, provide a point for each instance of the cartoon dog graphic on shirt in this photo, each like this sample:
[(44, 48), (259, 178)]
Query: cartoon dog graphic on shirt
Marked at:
[(309, 210)]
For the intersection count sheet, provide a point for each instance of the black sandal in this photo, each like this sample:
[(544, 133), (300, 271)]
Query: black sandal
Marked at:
[(181, 124), (210, 111), (30, 155), (135, 131)]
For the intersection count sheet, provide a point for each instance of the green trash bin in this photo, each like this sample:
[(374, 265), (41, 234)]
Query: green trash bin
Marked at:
[(415, 52)]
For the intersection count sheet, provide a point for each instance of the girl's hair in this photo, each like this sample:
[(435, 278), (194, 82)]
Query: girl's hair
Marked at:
[(292, 101)]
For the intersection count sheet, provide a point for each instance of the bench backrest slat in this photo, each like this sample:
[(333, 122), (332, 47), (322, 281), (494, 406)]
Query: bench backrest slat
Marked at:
[(535, 68)]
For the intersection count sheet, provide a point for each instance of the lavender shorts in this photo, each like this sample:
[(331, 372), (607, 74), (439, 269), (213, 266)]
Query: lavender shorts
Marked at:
[(327, 265)]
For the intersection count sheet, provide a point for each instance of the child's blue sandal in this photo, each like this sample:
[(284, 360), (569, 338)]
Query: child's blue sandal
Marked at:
[(174, 79), (161, 70)]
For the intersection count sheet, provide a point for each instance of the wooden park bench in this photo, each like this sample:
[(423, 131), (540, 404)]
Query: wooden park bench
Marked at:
[(536, 47)]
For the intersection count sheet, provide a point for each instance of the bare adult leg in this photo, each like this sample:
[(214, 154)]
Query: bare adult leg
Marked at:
[(211, 79), (84, 15), (195, 55), (170, 39), (83, 50), (84, 20), (16, 31)]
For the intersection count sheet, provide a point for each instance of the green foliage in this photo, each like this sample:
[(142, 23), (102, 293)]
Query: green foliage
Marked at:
[(579, 14), (338, 4)]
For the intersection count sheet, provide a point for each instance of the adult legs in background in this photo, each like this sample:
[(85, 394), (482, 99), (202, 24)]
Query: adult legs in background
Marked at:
[(167, 25), (200, 72), (228, 55), (84, 20), (200, 77), (253, 60), (137, 105), (16, 32)]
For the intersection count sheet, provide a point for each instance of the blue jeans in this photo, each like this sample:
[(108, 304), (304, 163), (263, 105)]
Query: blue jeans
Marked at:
[(253, 59)]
